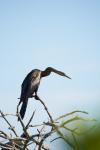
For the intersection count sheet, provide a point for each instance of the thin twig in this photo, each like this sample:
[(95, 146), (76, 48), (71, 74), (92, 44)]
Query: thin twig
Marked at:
[(42, 140), (45, 107), (73, 112), (56, 139), (75, 140), (22, 124), (30, 120), (3, 116)]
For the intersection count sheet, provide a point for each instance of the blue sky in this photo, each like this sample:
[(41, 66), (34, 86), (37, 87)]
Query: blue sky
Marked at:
[(59, 33)]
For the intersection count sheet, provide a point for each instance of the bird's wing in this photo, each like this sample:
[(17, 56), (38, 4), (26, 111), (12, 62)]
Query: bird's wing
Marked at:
[(26, 84), (48, 70)]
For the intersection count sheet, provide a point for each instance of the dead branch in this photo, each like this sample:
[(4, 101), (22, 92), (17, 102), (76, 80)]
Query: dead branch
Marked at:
[(45, 107), (38, 139)]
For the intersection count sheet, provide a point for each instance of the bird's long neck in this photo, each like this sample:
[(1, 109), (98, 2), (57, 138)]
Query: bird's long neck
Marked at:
[(46, 72)]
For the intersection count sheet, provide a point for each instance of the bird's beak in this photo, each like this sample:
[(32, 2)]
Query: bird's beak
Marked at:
[(67, 77)]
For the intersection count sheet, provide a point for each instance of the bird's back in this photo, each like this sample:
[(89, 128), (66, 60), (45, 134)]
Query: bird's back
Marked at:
[(29, 86), (30, 83)]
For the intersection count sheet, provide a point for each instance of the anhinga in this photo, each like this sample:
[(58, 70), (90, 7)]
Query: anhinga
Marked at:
[(30, 86)]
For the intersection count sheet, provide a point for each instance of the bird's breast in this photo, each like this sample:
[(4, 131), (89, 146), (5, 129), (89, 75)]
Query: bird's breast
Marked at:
[(35, 83)]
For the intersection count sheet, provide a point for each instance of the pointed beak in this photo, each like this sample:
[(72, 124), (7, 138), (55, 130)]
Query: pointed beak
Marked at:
[(67, 77)]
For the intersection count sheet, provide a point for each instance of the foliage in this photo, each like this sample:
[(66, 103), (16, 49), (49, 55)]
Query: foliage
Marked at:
[(85, 133)]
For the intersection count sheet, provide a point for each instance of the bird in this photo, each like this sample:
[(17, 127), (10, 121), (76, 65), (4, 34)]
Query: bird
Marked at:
[(31, 84)]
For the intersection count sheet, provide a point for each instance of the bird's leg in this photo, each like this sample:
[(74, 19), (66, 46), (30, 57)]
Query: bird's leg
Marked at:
[(36, 96), (33, 95)]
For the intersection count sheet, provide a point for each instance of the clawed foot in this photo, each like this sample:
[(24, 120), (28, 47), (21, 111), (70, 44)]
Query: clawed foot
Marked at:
[(36, 97)]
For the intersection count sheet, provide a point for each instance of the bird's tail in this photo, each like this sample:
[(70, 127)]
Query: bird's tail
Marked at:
[(23, 108)]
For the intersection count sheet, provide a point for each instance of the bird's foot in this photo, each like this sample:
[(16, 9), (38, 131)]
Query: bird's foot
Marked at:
[(33, 95), (36, 97)]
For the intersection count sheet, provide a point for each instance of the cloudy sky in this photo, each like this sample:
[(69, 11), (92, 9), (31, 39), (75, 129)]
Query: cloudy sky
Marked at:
[(59, 33)]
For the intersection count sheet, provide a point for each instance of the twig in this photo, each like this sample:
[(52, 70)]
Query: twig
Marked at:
[(37, 98), (22, 124), (55, 139), (65, 139), (73, 112), (30, 120), (8, 115), (42, 140), (37, 125), (5, 146), (3, 116), (77, 145)]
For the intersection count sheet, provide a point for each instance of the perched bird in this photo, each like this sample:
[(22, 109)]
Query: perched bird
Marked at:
[(30, 86)]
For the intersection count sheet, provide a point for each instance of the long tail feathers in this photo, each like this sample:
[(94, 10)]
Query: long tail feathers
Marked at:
[(23, 108)]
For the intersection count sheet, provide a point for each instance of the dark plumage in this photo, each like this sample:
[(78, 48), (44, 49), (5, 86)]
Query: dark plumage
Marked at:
[(30, 86)]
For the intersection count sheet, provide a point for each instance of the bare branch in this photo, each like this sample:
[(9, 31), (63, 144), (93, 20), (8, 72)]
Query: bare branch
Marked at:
[(11, 127), (27, 126), (43, 131), (45, 107), (55, 139), (73, 112)]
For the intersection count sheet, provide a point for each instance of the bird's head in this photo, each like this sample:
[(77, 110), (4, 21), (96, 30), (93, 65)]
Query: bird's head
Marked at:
[(48, 71), (60, 73)]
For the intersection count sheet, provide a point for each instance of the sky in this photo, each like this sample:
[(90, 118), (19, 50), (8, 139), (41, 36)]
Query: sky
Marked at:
[(58, 33)]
